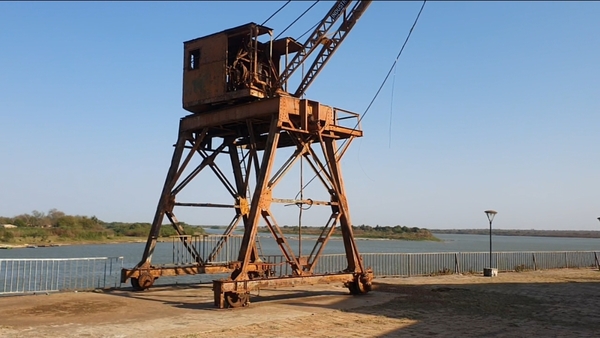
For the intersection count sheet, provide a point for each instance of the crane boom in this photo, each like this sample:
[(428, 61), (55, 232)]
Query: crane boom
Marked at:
[(318, 37), (330, 45)]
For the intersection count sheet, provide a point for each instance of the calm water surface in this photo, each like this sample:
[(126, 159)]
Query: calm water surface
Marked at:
[(132, 252)]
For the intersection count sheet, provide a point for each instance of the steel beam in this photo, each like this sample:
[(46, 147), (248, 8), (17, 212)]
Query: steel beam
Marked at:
[(222, 287), (250, 135)]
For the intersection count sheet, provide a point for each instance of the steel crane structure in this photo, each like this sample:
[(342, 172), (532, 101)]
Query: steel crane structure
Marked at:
[(241, 108)]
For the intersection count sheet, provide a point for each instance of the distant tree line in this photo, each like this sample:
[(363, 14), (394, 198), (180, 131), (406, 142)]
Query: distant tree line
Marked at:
[(393, 232), (36, 219), (57, 224), (391, 229), (367, 231), (143, 229)]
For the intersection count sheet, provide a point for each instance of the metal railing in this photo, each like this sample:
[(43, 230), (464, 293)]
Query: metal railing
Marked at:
[(61, 274), (425, 264), (346, 119), (211, 248), (32, 275)]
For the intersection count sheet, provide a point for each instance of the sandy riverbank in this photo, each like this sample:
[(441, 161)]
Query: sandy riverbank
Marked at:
[(67, 243)]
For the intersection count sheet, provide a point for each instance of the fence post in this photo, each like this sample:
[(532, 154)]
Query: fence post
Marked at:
[(534, 262), (567, 259), (456, 263), (596, 259), (409, 265)]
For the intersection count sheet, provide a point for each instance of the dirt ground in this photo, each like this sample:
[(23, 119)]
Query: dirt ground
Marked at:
[(553, 303)]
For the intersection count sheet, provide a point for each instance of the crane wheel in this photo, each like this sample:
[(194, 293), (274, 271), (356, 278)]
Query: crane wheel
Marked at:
[(235, 300), (135, 284), (144, 281), (357, 287)]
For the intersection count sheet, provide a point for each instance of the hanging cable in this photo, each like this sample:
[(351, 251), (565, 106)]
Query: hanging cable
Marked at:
[(380, 87), (300, 212), (393, 65), (308, 31), (391, 110), (277, 11), (298, 18)]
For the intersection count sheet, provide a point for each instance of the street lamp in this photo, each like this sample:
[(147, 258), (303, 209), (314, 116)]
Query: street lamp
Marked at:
[(490, 215)]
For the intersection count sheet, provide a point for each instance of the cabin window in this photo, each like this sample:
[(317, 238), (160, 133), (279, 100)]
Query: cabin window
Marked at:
[(194, 59)]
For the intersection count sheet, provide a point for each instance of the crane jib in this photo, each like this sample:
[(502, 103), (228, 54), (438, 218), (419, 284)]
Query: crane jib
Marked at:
[(338, 10)]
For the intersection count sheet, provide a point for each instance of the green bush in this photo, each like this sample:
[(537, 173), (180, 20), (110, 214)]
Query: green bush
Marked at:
[(143, 229), (78, 227), (7, 235)]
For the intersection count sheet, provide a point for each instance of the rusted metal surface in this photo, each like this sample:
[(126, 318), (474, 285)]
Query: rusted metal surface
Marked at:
[(292, 114), (233, 66), (249, 146), (328, 42), (242, 118), (227, 66), (143, 277), (217, 253), (230, 293)]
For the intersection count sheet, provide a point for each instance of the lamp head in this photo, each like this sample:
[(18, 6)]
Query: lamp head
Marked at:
[(491, 213)]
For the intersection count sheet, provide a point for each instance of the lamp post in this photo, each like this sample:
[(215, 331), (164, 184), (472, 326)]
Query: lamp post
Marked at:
[(490, 215)]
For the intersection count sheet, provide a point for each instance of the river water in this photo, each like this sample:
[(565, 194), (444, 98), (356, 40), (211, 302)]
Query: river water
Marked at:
[(132, 252), (163, 253)]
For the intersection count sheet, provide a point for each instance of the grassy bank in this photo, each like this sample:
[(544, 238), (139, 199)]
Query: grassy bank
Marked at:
[(57, 228), (22, 242), (365, 231)]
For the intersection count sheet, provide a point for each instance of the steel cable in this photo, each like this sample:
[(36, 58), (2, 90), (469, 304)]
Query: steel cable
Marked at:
[(298, 18), (277, 11), (308, 31), (393, 65), (380, 87)]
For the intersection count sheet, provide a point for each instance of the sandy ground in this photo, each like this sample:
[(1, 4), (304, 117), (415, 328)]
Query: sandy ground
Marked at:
[(554, 303)]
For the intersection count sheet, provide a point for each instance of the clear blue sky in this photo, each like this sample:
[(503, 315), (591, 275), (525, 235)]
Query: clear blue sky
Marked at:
[(495, 105)]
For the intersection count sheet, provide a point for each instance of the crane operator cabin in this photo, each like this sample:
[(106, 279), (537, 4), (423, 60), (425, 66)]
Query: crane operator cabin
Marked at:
[(233, 66)]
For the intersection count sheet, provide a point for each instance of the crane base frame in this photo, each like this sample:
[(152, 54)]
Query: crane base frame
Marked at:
[(223, 289), (261, 126)]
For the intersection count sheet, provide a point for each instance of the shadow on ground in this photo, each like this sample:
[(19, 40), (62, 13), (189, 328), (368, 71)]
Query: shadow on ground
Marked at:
[(523, 305), (553, 303)]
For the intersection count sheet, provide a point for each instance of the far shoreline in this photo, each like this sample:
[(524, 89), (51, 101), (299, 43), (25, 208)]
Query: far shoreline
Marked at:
[(521, 232), (34, 245), (584, 234)]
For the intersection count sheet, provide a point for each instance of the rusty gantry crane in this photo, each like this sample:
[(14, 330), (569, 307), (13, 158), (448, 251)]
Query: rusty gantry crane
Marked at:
[(241, 108)]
